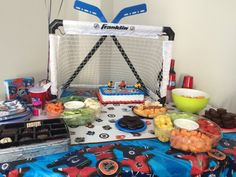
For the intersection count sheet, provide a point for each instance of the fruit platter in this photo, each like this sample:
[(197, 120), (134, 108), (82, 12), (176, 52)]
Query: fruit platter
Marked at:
[(75, 110), (149, 109), (187, 132)]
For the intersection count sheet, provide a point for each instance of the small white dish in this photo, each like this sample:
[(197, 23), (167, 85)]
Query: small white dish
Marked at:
[(72, 105), (186, 124)]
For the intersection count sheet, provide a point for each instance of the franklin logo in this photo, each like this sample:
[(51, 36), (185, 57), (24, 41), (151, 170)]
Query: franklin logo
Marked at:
[(116, 27)]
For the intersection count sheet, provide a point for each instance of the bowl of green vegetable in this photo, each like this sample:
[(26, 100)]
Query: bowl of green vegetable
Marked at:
[(78, 117), (79, 110)]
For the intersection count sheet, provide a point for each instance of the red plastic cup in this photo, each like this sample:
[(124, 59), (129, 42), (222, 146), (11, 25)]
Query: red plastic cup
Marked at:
[(38, 94), (188, 82)]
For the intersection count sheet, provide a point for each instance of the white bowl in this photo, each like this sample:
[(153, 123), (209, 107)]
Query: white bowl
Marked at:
[(72, 105), (186, 124)]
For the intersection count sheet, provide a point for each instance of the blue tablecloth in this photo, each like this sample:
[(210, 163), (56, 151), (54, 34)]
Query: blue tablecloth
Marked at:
[(147, 156)]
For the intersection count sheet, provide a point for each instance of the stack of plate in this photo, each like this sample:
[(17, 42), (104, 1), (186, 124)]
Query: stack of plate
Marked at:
[(13, 111)]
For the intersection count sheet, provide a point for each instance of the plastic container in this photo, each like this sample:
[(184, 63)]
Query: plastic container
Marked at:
[(163, 126), (162, 134), (211, 129), (54, 110), (95, 105), (75, 118), (26, 140), (190, 141), (201, 139), (51, 115)]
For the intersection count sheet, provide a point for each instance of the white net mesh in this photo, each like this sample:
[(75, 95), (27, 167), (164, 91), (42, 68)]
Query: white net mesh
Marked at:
[(117, 58)]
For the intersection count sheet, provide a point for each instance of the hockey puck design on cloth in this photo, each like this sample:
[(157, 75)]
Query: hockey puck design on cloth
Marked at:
[(90, 125), (108, 168), (104, 135), (116, 104), (111, 115), (79, 139), (99, 120), (112, 121), (90, 133), (110, 108), (136, 134), (107, 127)]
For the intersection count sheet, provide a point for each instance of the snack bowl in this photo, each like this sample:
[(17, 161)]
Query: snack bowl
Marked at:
[(196, 136), (149, 109), (54, 109), (190, 100)]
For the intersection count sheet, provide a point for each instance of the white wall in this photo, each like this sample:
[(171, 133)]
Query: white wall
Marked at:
[(205, 41), (24, 36), (23, 39)]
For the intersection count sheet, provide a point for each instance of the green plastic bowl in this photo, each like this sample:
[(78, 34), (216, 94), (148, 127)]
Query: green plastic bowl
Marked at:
[(186, 99)]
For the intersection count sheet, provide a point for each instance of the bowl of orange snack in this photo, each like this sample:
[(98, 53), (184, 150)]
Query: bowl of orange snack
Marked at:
[(191, 141), (54, 110), (149, 109), (196, 139), (189, 100)]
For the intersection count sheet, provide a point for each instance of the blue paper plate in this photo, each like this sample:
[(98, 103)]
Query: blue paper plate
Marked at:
[(17, 118), (128, 130)]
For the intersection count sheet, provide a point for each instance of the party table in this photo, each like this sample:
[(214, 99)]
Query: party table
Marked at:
[(139, 154)]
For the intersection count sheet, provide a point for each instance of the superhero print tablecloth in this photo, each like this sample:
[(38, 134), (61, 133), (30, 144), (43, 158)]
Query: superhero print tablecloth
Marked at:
[(141, 158)]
